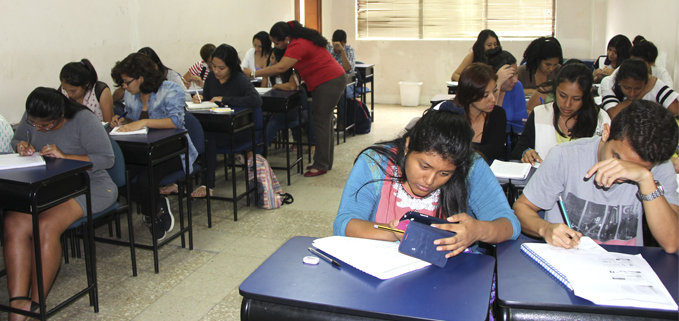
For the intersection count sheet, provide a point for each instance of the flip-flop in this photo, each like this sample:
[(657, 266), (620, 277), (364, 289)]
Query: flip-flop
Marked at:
[(169, 189), (203, 195)]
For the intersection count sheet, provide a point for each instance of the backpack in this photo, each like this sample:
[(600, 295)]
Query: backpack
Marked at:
[(360, 110), (268, 189)]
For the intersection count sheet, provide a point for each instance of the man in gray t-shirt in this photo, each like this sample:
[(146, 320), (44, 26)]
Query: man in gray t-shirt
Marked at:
[(598, 179)]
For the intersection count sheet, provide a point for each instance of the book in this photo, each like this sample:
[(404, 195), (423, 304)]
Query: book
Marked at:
[(12, 161), (262, 90), (511, 170), (204, 105), (141, 131), (380, 259), (221, 110), (418, 242)]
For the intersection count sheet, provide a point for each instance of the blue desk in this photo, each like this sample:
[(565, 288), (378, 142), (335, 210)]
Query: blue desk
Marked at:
[(283, 288), (34, 189), (526, 292), (283, 101), (158, 146)]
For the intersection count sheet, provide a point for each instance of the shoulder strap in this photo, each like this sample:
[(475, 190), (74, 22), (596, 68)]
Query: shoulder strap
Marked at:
[(99, 88), (202, 72)]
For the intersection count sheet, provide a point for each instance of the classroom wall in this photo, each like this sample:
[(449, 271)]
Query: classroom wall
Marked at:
[(41, 36)]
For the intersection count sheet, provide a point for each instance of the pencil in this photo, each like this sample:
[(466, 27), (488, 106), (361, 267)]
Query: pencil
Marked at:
[(564, 213), (386, 228)]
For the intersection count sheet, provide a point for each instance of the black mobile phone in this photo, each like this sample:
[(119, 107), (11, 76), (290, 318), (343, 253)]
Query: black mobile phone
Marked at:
[(421, 218)]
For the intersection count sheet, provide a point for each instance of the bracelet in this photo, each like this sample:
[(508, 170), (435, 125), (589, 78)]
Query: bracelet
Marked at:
[(252, 74), (524, 152)]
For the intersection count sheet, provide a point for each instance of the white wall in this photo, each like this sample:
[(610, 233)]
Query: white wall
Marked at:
[(583, 28), (41, 36)]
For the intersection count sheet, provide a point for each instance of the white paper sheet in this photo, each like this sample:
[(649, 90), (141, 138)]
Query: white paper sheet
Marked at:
[(262, 90), (141, 131), (11, 161), (511, 170), (204, 105), (380, 259)]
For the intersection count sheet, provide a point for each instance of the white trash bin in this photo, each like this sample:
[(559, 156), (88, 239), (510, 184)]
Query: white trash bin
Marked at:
[(410, 93)]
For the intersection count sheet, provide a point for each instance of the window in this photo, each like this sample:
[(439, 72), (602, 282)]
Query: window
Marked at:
[(450, 19)]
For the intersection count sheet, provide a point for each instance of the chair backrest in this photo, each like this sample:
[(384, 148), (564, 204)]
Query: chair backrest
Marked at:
[(117, 172), (195, 130)]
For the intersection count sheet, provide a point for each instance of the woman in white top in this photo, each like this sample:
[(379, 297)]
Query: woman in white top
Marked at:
[(79, 82), (617, 51), (632, 81), (257, 57), (572, 115)]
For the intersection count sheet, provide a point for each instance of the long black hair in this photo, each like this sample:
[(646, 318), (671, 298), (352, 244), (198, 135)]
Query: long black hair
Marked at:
[(79, 74), (295, 30), (285, 76), (264, 39), (229, 56), (479, 46), (50, 104), (154, 56), (634, 68), (622, 47), (496, 58), (645, 50), (472, 86), (137, 65), (540, 49), (588, 114), (445, 134)]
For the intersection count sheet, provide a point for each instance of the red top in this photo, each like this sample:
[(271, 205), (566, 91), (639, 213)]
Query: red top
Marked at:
[(315, 64)]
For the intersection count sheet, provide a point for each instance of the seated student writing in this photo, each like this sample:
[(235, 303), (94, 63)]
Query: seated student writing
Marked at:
[(433, 170), (79, 82), (510, 96), (476, 94), (228, 85), (198, 72), (632, 82), (58, 127), (541, 61), (486, 40), (618, 50), (167, 73), (607, 183), (572, 115), (151, 101)]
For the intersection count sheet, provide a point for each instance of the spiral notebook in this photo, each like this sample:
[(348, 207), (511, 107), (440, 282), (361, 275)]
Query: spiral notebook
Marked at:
[(527, 249)]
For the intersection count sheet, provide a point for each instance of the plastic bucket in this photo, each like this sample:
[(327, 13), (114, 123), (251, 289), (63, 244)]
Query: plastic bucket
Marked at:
[(410, 93)]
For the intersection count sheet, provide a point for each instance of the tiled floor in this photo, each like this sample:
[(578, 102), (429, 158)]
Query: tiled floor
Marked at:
[(202, 284)]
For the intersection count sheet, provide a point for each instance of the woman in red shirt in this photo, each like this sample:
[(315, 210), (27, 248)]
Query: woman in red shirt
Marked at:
[(305, 50)]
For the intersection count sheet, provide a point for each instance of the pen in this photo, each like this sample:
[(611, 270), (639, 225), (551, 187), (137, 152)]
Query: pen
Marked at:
[(542, 102), (121, 118), (200, 101), (564, 213), (324, 257), (386, 228)]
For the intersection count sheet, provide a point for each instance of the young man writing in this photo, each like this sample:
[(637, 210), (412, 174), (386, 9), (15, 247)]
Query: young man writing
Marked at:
[(607, 183)]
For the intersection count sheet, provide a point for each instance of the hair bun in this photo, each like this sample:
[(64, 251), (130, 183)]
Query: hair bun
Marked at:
[(491, 53)]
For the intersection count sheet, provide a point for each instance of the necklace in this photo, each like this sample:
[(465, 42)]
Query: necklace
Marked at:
[(565, 124)]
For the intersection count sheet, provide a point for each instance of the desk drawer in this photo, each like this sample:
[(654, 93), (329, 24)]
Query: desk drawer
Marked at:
[(16, 198)]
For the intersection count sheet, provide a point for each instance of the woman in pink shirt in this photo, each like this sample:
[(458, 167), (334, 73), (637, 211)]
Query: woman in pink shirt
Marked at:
[(305, 50)]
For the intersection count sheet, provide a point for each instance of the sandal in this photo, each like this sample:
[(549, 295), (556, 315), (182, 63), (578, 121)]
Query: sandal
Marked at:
[(34, 305), (169, 189), (200, 192)]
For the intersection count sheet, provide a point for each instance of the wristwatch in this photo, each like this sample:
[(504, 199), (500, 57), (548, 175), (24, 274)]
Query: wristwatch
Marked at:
[(660, 191)]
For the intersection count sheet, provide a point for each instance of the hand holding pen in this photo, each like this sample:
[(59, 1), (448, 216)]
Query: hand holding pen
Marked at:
[(118, 121), (561, 234), (24, 148)]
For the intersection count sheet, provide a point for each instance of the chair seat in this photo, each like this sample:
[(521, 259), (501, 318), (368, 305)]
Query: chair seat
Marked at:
[(80, 221)]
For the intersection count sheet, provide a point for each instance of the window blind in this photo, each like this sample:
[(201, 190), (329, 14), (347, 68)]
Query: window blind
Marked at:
[(451, 19)]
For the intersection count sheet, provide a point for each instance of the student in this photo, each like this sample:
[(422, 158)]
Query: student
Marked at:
[(151, 101), (510, 97), (617, 51), (198, 72), (625, 175), (486, 40), (544, 94), (257, 57), (53, 126), (79, 82), (167, 73), (228, 85), (541, 62), (632, 82), (572, 115), (476, 94), (431, 169), (6, 134), (648, 52), (345, 56), (306, 51)]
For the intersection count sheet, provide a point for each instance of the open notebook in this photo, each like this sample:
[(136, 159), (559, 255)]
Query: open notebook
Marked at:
[(141, 131), (12, 161), (510, 170), (204, 105), (380, 259), (605, 278)]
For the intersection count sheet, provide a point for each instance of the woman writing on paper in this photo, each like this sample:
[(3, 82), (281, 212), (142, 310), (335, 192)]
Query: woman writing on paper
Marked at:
[(431, 169), (572, 115), (79, 82), (53, 126), (151, 101), (305, 49)]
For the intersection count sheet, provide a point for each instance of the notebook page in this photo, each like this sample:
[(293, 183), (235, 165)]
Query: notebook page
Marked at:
[(11, 161)]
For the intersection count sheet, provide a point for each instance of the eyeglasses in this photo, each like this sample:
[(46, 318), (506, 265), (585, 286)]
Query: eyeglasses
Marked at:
[(48, 126), (127, 83)]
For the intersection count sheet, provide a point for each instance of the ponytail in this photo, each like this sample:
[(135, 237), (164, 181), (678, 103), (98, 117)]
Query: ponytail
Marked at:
[(295, 30), (79, 74)]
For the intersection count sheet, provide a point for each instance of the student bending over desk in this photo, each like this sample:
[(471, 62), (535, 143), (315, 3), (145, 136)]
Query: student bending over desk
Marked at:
[(226, 84), (541, 61), (56, 127), (79, 82), (573, 115), (198, 72), (510, 95), (151, 101), (433, 170), (607, 183)]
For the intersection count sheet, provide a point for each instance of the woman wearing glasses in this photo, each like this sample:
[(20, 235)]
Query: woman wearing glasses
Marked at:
[(53, 126)]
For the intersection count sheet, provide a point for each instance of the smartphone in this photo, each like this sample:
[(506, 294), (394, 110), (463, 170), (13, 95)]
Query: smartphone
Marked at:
[(421, 218)]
